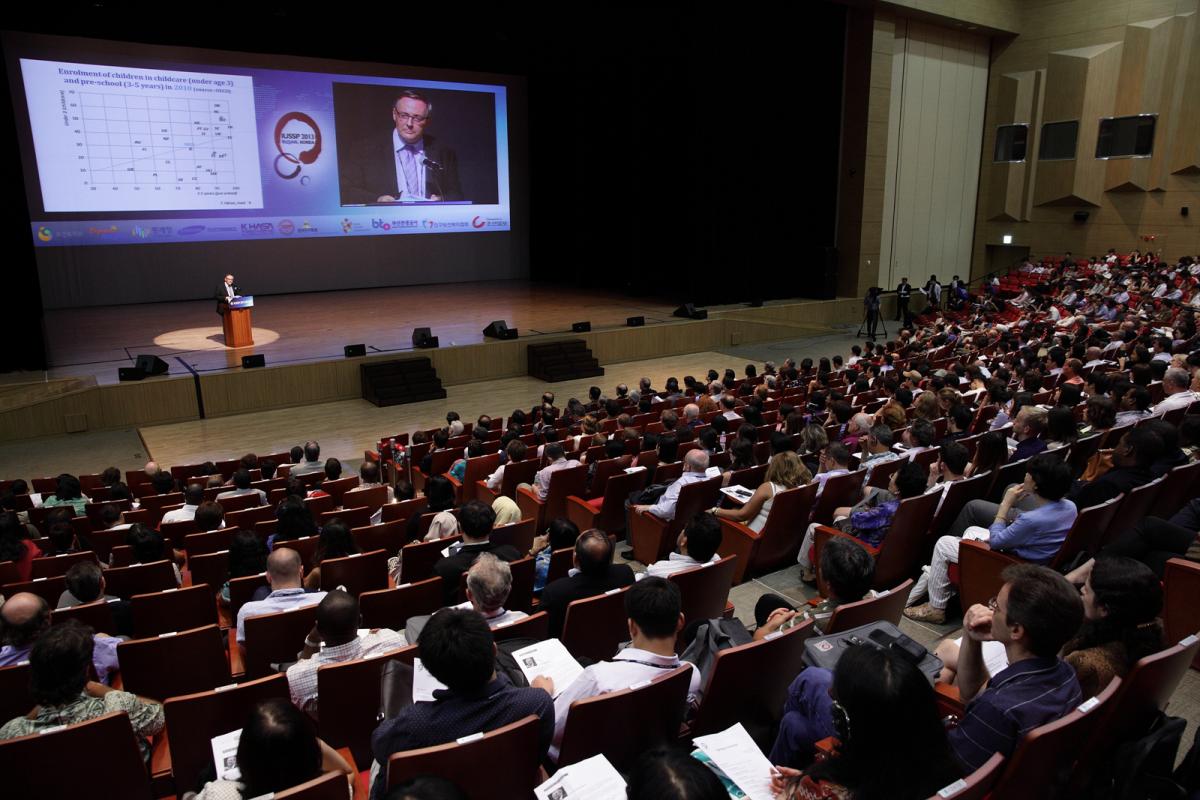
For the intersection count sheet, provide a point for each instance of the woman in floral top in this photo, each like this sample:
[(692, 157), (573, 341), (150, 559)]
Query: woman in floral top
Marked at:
[(891, 742), (59, 683)]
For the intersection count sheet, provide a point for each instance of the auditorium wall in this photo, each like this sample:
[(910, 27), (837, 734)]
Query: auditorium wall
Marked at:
[(1085, 60), (914, 124)]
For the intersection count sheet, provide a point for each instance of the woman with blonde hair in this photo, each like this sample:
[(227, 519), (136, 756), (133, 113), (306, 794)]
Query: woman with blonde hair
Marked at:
[(892, 414), (786, 471)]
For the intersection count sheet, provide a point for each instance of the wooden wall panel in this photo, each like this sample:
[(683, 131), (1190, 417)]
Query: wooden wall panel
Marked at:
[(1019, 101), (1185, 117), (1146, 86)]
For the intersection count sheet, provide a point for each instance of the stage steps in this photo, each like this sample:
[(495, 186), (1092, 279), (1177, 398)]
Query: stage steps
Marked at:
[(562, 361), (393, 383)]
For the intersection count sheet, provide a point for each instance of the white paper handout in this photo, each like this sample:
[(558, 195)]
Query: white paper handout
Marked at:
[(593, 778), (224, 749), (738, 493), (549, 658), (736, 754), (424, 684)]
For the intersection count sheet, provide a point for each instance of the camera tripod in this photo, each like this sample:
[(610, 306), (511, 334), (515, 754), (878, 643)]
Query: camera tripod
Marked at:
[(881, 325)]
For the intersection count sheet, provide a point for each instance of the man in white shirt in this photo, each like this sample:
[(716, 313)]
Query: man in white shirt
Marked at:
[(835, 460), (653, 608), (696, 546), (694, 465), (193, 496), (285, 575), (241, 483), (1175, 387), (333, 640), (554, 454), (489, 582)]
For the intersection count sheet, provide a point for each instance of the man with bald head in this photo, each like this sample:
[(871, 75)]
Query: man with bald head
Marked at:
[(285, 575), (594, 574), (25, 617), (694, 465), (334, 639)]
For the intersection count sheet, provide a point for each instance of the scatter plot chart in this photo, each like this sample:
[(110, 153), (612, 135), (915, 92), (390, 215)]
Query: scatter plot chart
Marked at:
[(112, 139)]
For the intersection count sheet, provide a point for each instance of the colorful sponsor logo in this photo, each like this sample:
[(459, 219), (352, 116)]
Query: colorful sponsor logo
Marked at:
[(102, 231), (251, 228), (161, 230), (190, 230), (139, 232), (45, 234), (478, 222), (380, 224), (347, 225), (287, 227), (307, 227), (298, 140), (431, 225)]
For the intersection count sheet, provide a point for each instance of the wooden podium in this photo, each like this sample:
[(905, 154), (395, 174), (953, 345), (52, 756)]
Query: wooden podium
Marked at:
[(236, 323)]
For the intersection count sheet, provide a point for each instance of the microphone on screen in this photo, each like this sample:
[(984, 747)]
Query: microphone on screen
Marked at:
[(429, 162)]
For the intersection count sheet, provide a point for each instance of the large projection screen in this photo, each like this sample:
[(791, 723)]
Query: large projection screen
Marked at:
[(148, 170)]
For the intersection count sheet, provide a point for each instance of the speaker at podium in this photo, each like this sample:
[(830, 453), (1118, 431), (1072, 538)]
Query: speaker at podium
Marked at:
[(236, 322)]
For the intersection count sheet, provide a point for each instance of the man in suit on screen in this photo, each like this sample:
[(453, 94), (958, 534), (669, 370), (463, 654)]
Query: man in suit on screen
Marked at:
[(408, 164), (225, 291)]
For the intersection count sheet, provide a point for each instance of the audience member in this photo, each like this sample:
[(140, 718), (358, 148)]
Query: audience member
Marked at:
[(593, 574), (285, 576)]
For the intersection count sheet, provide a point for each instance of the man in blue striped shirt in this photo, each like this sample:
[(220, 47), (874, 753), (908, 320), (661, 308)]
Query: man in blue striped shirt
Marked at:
[(1034, 614)]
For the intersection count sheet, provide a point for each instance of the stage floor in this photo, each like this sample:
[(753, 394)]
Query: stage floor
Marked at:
[(296, 328)]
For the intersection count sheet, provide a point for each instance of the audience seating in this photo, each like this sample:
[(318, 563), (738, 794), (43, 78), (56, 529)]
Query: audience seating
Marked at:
[(53, 566), (1138, 504), (623, 725), (607, 511), (400, 511), (975, 786), (49, 589), (388, 536), (358, 573), (477, 470), (417, 559), (749, 683), (956, 496), (515, 473), (777, 544), (192, 721), (15, 697), (101, 752), (535, 626), (125, 582), (1179, 487), (563, 484), (390, 608), (330, 786), (96, 614), (274, 639), (1143, 692), (212, 569), (198, 544), (156, 613), (1042, 761), (560, 563), (887, 606), (348, 696), (654, 538), (704, 590), (594, 626), (840, 491), (898, 554), (1181, 611), (174, 663), (514, 745)]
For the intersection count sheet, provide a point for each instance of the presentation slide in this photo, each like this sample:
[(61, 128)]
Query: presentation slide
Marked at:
[(191, 152)]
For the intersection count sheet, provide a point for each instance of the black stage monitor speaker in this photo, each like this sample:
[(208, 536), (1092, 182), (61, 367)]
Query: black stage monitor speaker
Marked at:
[(248, 362), (1082, 216), (355, 350), (581, 327), (499, 330), (1183, 210), (635, 322), (151, 365), (756, 303), (689, 311), (130, 374), (424, 338)]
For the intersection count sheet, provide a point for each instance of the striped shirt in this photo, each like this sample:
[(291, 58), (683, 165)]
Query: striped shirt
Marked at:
[(1029, 693)]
